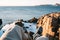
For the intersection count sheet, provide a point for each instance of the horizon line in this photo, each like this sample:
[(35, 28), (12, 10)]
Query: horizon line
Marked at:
[(28, 5)]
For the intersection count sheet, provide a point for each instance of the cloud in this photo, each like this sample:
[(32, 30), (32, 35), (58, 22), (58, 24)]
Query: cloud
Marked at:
[(26, 2)]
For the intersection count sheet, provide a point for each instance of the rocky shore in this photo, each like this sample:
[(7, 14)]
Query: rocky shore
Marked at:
[(48, 26)]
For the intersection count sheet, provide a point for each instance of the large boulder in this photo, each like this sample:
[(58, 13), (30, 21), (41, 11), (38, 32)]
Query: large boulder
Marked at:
[(13, 32), (50, 24)]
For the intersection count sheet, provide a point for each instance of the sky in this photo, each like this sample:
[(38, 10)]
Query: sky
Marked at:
[(27, 2)]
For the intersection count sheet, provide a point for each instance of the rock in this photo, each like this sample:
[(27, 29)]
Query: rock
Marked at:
[(50, 24), (42, 38), (20, 20), (39, 31), (31, 34), (33, 20), (14, 32), (57, 4), (25, 27), (0, 21), (25, 21), (19, 23)]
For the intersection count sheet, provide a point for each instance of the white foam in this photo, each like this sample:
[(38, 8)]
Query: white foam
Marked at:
[(32, 27)]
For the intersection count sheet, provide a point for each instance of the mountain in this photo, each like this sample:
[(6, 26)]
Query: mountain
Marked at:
[(57, 4)]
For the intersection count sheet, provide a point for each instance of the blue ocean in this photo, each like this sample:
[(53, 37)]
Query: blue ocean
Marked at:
[(12, 13)]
